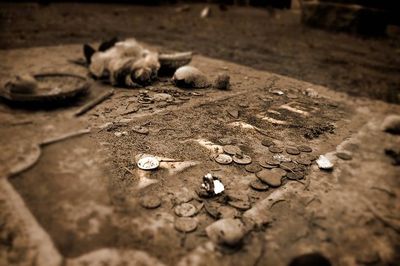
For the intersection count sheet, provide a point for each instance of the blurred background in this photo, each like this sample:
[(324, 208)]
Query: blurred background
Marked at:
[(347, 45)]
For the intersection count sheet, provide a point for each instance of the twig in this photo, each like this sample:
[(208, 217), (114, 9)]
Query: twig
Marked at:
[(94, 102), (64, 137), (130, 171)]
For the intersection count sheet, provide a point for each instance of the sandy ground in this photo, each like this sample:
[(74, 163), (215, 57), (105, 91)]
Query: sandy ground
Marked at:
[(274, 41), (81, 202)]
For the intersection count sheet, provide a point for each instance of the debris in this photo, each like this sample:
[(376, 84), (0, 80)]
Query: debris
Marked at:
[(275, 149), (243, 105), (270, 177), (223, 159), (150, 202), (140, 130), (88, 106), (281, 158), (288, 166), (162, 97), (258, 185), (226, 232), (231, 149), (318, 130), (344, 156), (225, 141), (233, 112), (229, 212), (205, 12), (253, 168), (304, 148), (391, 124), (212, 185), (222, 81), (24, 84), (185, 210), (65, 136), (121, 133), (277, 92), (212, 209), (292, 151), (185, 224), (324, 163), (311, 93), (241, 159), (190, 77), (148, 162)]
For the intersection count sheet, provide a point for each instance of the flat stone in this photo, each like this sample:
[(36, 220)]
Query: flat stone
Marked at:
[(185, 224), (240, 205), (304, 148), (267, 142), (150, 202), (231, 149), (344, 156), (242, 159), (226, 232), (223, 159), (271, 178), (253, 168), (258, 185), (185, 210), (292, 151), (275, 149), (233, 112)]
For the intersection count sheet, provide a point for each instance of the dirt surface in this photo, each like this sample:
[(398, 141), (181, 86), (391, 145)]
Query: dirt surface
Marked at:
[(81, 203), (273, 40)]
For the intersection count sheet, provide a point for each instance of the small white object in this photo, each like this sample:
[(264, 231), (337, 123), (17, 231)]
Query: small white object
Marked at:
[(218, 187), (278, 92), (324, 163), (205, 12), (148, 163)]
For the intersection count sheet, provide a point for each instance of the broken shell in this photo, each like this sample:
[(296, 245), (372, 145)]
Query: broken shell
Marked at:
[(226, 231), (324, 163), (190, 77)]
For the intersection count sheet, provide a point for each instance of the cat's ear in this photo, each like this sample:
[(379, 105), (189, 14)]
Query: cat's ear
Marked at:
[(88, 51), (104, 46)]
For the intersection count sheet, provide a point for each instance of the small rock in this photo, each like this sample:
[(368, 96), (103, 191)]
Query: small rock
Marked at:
[(212, 209), (271, 177), (185, 224), (190, 77), (344, 156), (223, 159), (222, 82), (391, 124), (226, 232), (258, 185), (228, 212), (185, 210), (277, 92), (205, 13), (324, 163), (234, 113), (150, 202), (140, 130)]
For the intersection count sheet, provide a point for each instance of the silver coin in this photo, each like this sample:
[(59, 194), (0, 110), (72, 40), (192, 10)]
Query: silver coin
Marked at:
[(148, 163), (223, 159)]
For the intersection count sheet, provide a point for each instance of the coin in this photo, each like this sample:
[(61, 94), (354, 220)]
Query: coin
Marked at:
[(264, 164), (148, 163), (185, 224), (258, 185), (303, 161), (223, 159), (242, 159), (267, 142), (253, 168), (304, 148), (289, 166), (344, 156), (272, 161), (231, 149), (292, 151), (240, 205), (275, 149), (295, 175), (150, 202), (185, 210)]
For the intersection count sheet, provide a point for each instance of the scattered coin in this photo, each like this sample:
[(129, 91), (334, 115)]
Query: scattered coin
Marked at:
[(292, 151), (304, 148), (185, 224), (299, 168), (253, 168), (288, 166), (242, 159), (148, 163), (344, 156), (231, 149), (258, 185), (264, 164), (140, 130), (303, 161), (267, 142), (272, 161), (223, 159), (295, 175), (185, 210), (150, 202), (270, 177), (324, 163), (275, 149), (240, 205), (228, 212), (212, 209)]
